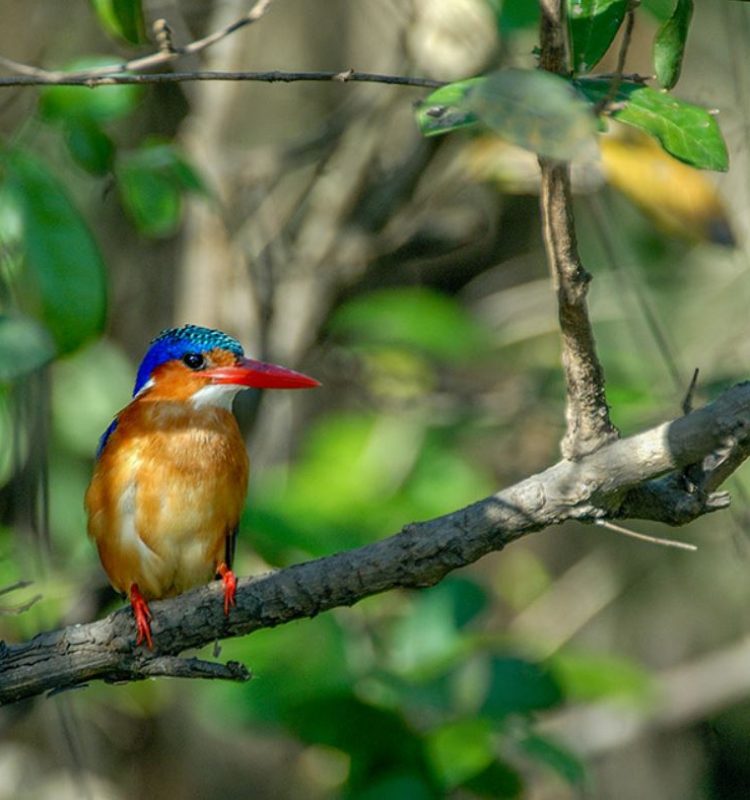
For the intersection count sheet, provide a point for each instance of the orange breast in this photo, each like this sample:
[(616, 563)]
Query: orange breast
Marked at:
[(167, 490)]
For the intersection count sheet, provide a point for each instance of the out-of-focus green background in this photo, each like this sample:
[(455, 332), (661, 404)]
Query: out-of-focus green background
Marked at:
[(312, 221)]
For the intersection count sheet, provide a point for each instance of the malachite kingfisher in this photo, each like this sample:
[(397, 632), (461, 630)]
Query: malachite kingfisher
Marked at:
[(171, 470)]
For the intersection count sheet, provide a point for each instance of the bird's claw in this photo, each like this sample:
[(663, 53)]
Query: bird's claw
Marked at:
[(142, 614), (230, 587)]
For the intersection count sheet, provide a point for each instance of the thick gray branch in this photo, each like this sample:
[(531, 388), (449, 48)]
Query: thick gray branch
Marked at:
[(623, 476)]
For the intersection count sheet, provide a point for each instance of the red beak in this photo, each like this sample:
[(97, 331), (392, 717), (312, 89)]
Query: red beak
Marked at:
[(259, 375)]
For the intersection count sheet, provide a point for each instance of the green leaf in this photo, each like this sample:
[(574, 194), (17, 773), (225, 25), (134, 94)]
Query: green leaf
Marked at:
[(122, 19), (442, 111), (688, 132), (100, 103), (532, 109), (416, 318), (519, 686), (63, 258), (535, 110), (669, 45), (497, 780), (401, 786), (430, 634), (166, 157), (295, 663), (152, 199), (460, 750), (593, 25), (187, 176), (90, 146), (11, 231), (24, 346), (587, 677), (562, 761), (151, 182), (352, 456), (515, 16), (373, 736), (661, 10)]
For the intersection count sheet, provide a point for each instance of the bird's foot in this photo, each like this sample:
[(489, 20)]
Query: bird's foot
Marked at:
[(230, 586), (142, 615)]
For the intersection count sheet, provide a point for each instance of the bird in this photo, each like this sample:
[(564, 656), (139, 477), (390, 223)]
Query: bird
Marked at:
[(171, 470)]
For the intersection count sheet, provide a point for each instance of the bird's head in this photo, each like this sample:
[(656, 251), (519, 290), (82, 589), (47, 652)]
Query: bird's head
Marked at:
[(207, 367)]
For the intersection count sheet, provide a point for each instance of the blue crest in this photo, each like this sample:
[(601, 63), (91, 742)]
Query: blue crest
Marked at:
[(172, 344)]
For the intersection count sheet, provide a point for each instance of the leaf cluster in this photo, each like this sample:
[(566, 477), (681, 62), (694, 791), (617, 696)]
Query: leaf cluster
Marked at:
[(557, 116)]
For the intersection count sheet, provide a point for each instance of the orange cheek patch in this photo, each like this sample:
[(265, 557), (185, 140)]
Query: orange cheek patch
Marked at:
[(175, 382)]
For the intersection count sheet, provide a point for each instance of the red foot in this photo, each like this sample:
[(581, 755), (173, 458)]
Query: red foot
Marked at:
[(142, 615), (230, 586)]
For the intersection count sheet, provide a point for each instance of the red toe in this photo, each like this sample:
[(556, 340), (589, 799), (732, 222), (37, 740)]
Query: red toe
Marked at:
[(142, 615), (230, 586)]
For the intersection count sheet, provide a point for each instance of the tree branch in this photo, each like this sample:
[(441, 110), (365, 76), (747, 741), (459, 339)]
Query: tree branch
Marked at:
[(122, 73), (92, 80), (622, 477), (587, 413), (161, 57)]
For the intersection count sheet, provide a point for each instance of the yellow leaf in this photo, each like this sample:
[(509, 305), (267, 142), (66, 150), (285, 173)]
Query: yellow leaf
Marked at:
[(679, 199)]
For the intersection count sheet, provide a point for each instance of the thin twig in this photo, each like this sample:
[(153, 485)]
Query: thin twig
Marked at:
[(605, 523), (14, 586), (633, 77), (159, 58), (624, 269), (123, 73), (44, 78), (687, 403), (14, 611), (622, 56)]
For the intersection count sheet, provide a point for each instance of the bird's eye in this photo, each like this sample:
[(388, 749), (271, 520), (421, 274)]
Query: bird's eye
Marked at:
[(194, 360)]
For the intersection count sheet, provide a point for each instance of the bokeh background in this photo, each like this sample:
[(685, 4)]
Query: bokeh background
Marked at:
[(312, 221)]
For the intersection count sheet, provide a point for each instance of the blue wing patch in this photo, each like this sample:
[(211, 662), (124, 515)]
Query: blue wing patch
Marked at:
[(105, 438)]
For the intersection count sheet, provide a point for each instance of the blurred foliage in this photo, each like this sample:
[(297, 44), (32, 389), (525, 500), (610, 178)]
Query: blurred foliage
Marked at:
[(24, 346), (122, 19), (679, 199), (508, 102), (412, 319), (152, 181), (441, 382), (67, 104), (65, 270)]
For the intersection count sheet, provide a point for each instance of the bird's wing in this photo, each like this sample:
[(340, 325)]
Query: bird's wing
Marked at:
[(105, 437)]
